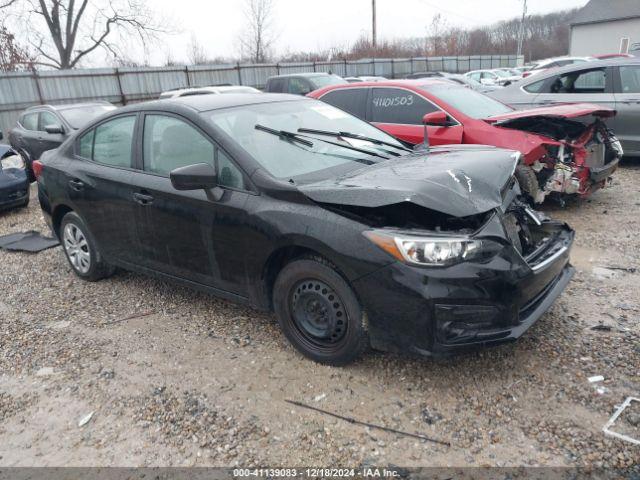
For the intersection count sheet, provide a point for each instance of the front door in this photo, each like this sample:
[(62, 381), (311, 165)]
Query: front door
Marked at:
[(48, 141), (593, 85), (399, 112), (188, 234)]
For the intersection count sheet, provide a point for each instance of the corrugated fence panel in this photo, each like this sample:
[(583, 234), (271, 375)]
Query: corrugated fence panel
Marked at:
[(19, 90), (202, 75), (148, 83), (257, 75)]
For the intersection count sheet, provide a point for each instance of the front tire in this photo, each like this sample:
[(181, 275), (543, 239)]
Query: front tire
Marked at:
[(319, 313), (81, 250)]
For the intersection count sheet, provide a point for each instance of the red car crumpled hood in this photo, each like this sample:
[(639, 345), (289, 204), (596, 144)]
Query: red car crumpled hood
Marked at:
[(569, 110)]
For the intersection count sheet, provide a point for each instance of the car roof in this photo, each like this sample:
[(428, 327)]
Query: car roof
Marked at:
[(418, 83), (303, 74), (204, 103), (581, 66), (68, 106)]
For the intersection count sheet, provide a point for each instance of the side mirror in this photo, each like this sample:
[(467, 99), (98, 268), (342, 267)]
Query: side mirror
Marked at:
[(194, 177), (53, 129), (436, 119)]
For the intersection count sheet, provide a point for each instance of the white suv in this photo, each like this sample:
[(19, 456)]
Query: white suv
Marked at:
[(184, 92)]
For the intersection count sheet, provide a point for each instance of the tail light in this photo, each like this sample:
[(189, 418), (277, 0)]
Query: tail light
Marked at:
[(525, 74), (37, 166)]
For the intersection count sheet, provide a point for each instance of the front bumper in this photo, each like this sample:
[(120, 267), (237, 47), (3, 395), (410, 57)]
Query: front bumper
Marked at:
[(438, 311)]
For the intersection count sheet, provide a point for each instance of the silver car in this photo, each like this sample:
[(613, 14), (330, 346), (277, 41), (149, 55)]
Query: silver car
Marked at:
[(611, 83)]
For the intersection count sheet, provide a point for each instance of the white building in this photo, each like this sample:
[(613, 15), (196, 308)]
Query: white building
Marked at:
[(606, 26)]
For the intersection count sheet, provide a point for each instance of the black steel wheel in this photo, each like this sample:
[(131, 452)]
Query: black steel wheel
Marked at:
[(319, 312)]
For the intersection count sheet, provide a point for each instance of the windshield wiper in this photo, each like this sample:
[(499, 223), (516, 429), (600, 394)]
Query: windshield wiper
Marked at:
[(355, 136), (295, 137), (284, 135)]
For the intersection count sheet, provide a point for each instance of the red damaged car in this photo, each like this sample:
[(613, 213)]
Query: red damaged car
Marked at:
[(566, 149)]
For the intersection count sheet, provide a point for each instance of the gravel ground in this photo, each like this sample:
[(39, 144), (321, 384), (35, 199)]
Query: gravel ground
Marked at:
[(178, 378)]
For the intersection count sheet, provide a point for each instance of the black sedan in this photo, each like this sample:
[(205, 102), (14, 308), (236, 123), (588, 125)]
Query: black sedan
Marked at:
[(14, 184), (288, 204)]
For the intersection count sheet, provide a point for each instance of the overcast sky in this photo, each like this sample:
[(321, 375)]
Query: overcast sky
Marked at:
[(305, 25)]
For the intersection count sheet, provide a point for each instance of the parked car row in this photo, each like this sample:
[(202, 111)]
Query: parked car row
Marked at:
[(289, 204), (393, 214)]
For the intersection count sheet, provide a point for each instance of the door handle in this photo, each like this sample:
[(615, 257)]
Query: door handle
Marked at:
[(76, 184), (548, 102), (142, 198), (631, 100)]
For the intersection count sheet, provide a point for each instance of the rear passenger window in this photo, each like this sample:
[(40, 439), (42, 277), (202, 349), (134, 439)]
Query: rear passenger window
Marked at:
[(352, 100), (30, 121), (113, 140), (394, 105)]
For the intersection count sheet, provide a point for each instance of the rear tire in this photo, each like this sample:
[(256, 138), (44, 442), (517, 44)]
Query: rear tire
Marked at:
[(81, 250), (319, 313)]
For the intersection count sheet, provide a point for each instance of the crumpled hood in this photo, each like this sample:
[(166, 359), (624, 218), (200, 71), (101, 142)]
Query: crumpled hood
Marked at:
[(574, 110), (458, 180)]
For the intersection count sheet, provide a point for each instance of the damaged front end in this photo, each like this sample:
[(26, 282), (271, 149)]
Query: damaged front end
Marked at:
[(572, 158), (470, 264)]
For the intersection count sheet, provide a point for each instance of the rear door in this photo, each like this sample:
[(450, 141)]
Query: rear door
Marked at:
[(192, 235), (399, 112), (351, 100), (98, 187), (626, 124)]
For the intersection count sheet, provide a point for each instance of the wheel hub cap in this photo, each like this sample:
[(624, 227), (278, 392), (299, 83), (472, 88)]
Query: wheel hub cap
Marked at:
[(77, 248)]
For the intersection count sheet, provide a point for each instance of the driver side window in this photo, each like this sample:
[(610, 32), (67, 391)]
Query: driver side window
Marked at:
[(585, 81), (170, 143)]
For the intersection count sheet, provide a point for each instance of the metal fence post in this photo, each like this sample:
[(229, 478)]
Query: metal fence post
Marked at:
[(278, 68), (393, 68), (239, 74), (314, 65), (123, 99), (38, 88), (186, 74)]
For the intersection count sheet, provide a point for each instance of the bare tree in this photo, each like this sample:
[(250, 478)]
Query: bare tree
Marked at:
[(65, 32), (195, 52), (258, 36), (12, 56)]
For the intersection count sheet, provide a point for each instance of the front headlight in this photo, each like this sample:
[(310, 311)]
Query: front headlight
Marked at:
[(432, 251), (12, 161)]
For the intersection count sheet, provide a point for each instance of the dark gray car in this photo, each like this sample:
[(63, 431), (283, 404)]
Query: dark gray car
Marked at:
[(45, 127), (302, 83), (610, 83)]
